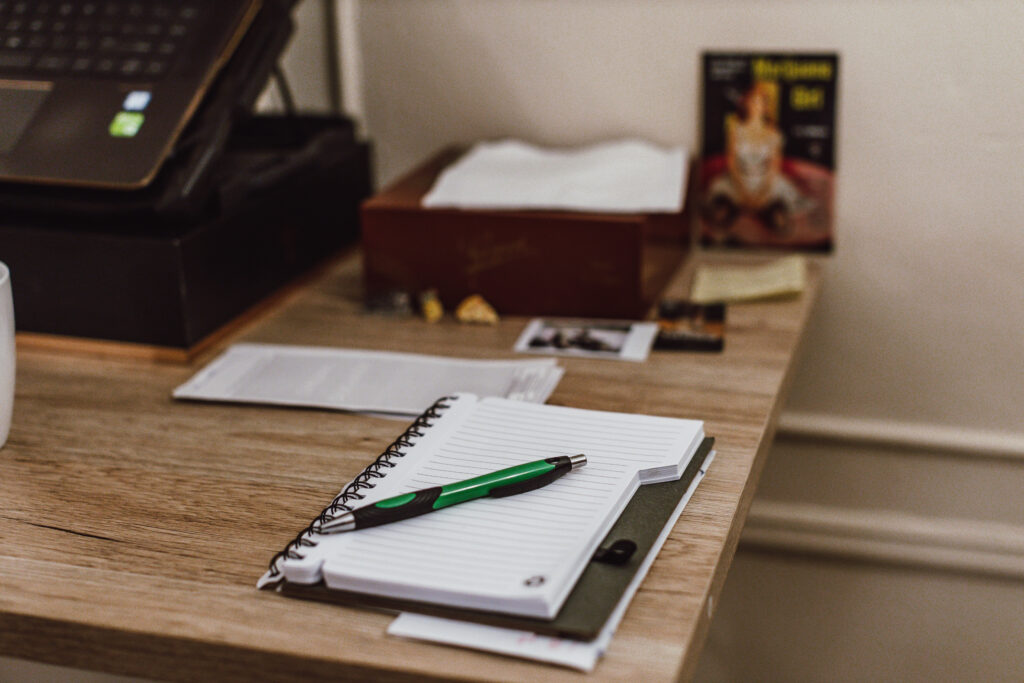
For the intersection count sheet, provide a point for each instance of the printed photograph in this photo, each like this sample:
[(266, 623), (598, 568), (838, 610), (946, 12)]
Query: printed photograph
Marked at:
[(593, 338)]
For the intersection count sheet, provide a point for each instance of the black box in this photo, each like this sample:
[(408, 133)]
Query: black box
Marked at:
[(287, 197)]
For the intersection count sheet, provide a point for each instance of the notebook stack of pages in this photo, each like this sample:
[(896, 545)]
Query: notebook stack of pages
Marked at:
[(521, 562)]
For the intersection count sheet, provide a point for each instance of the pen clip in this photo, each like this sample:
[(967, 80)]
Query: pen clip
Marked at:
[(617, 553)]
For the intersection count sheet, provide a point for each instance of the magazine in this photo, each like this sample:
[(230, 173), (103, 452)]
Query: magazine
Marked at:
[(767, 167)]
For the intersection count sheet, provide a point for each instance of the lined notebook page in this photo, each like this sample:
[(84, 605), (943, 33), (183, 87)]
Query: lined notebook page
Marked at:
[(520, 554)]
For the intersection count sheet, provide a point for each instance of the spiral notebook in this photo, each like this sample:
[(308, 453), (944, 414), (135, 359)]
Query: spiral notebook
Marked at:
[(519, 555)]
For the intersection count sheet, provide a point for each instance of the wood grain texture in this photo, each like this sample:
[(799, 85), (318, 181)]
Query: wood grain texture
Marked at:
[(134, 527)]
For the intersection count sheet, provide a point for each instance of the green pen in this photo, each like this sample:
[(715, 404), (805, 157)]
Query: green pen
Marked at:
[(506, 482)]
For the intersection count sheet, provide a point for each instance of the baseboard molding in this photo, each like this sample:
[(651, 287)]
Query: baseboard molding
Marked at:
[(921, 437), (961, 546)]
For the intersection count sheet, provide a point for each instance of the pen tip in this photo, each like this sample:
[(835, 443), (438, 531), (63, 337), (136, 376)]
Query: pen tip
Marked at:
[(577, 461)]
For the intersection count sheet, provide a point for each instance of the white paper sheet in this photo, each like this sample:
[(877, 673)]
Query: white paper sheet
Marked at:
[(401, 384), (627, 176)]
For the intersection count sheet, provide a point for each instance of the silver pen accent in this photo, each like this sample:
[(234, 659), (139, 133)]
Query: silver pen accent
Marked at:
[(346, 521)]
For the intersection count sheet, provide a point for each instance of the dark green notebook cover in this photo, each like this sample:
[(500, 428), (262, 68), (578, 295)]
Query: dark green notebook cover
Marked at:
[(598, 589)]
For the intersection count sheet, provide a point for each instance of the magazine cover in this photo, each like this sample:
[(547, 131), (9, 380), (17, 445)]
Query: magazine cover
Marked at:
[(767, 169)]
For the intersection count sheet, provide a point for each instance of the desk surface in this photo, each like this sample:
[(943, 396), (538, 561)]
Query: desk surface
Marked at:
[(133, 527)]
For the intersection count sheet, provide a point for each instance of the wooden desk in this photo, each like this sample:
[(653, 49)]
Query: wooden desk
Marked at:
[(133, 527)]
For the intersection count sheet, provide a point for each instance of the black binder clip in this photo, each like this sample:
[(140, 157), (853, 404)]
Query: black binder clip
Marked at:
[(618, 552)]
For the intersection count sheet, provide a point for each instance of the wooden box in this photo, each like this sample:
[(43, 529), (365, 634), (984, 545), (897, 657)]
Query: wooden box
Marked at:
[(523, 262)]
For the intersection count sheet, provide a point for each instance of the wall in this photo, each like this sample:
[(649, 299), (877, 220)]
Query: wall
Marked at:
[(887, 539), (305, 61), (921, 318)]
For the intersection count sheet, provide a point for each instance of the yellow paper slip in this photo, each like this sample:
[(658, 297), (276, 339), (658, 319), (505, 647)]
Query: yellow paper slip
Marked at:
[(787, 276)]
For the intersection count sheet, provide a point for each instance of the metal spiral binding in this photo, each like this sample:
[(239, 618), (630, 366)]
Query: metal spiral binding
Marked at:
[(365, 480)]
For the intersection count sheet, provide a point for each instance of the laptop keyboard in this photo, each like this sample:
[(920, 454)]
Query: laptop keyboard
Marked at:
[(118, 39)]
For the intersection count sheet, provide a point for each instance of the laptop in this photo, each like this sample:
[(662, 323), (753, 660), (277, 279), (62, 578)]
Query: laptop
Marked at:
[(95, 93)]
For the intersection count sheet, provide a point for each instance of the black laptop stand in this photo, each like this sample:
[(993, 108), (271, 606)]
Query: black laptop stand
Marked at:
[(244, 205)]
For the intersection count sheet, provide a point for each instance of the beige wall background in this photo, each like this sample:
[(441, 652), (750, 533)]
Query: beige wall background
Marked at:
[(921, 321), (887, 538)]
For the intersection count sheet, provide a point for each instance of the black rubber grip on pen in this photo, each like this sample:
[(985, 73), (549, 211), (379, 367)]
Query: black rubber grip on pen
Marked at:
[(562, 465), (371, 515)]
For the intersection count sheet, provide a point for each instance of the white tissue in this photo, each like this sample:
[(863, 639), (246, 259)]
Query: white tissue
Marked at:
[(626, 176)]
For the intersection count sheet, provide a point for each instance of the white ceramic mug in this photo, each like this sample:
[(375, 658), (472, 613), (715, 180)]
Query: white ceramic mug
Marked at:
[(7, 363)]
